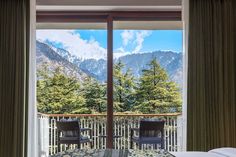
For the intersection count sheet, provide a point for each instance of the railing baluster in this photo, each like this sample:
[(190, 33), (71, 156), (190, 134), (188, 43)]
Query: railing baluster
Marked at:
[(52, 136), (105, 131), (168, 133), (94, 133), (174, 134)]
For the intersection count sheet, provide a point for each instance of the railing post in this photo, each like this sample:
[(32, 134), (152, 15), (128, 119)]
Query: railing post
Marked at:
[(43, 135), (179, 133)]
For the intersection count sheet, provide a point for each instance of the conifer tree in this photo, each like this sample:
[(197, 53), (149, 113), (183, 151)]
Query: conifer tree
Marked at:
[(95, 95), (58, 93), (123, 88), (156, 93)]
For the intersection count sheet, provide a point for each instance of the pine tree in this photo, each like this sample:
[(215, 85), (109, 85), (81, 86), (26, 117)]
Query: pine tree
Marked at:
[(156, 93), (95, 95), (58, 93), (123, 88)]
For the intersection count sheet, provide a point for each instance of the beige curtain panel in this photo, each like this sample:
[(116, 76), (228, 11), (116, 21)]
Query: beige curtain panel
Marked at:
[(211, 115), (14, 51)]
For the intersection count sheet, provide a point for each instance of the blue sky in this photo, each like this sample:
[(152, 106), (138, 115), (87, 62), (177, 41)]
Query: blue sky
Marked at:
[(158, 40), (93, 43)]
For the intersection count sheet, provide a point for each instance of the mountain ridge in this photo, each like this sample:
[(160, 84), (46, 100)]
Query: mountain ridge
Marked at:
[(170, 61), (46, 55)]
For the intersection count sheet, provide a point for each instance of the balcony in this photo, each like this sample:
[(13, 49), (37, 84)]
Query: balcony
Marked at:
[(97, 122)]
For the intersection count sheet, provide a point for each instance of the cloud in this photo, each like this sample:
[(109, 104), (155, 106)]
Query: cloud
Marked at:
[(140, 35), (127, 36), (120, 52), (73, 43), (132, 42), (133, 38)]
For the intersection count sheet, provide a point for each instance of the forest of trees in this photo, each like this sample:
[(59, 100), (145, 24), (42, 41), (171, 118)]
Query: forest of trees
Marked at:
[(152, 92)]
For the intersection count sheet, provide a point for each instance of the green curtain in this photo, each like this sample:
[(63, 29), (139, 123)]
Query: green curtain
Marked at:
[(211, 105), (14, 50)]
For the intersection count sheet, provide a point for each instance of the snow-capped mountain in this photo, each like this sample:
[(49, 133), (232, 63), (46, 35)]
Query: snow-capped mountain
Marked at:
[(171, 61)]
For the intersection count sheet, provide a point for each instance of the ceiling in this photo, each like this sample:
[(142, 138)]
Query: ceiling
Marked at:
[(111, 5)]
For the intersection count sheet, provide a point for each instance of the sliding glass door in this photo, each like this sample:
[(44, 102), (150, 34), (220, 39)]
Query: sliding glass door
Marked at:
[(147, 79), (109, 71), (72, 81)]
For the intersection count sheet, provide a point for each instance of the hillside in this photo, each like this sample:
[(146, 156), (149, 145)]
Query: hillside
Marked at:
[(170, 61), (46, 54)]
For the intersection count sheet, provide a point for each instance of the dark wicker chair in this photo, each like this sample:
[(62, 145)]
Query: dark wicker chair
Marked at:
[(71, 133), (150, 132)]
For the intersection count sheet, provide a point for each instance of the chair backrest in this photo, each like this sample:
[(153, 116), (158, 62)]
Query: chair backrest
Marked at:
[(151, 128), (68, 128), (68, 125)]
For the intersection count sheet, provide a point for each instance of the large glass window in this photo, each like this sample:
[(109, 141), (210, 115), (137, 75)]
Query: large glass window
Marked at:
[(147, 81), (72, 80), (74, 71), (148, 71), (71, 71)]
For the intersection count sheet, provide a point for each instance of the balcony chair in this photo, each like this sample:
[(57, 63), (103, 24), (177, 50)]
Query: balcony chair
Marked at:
[(71, 133), (150, 132)]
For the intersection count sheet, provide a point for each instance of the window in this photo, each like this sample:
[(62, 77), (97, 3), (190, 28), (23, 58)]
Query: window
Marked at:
[(97, 66)]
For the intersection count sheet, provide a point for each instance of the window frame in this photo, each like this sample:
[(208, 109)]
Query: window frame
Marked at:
[(108, 18)]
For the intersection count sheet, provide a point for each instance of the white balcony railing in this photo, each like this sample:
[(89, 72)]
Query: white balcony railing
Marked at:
[(122, 125)]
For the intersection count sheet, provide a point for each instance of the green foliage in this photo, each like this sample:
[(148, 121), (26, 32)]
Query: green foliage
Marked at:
[(123, 88), (95, 95), (58, 93), (155, 93)]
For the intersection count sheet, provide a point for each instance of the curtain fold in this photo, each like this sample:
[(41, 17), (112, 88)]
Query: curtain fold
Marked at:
[(211, 111), (14, 57)]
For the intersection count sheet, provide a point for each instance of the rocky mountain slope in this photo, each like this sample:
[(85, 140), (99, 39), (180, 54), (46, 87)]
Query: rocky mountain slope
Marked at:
[(169, 60), (48, 55)]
